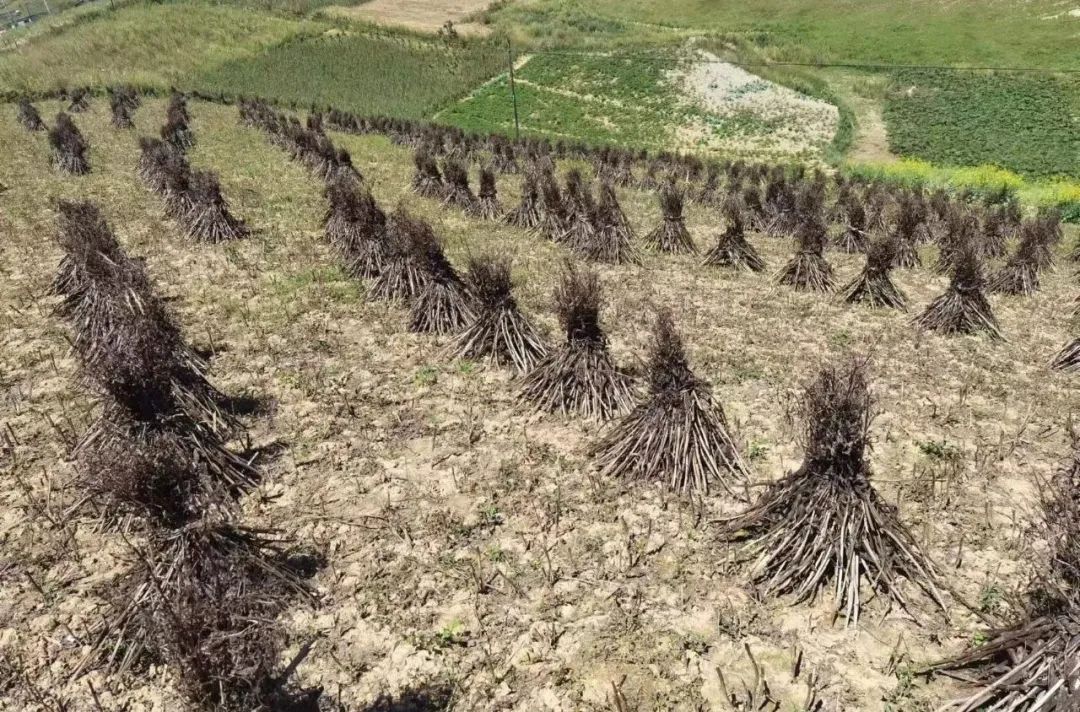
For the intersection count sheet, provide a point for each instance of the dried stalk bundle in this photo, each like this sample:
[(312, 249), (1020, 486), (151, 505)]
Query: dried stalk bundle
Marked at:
[(122, 101), (960, 232), (552, 224), (874, 285), (579, 377), (504, 160), (709, 193), (1068, 359), (487, 206), (753, 208), (204, 600), (1045, 233), (963, 308), (427, 180), (155, 164), (612, 237), (995, 232), (1020, 274), (732, 249), (679, 435), (68, 146), (905, 233), (808, 271), (855, 237), (580, 212), (527, 214), (177, 130), (356, 226), (498, 331), (208, 218), (443, 304), (671, 235), (1033, 665), (163, 466), (782, 214), (79, 100), (824, 525), (402, 277), (456, 190), (28, 116), (127, 341)]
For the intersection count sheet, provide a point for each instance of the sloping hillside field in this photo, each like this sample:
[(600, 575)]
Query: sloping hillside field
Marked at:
[(321, 412)]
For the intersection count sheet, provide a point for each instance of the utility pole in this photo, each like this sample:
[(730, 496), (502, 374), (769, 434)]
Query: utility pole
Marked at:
[(513, 89)]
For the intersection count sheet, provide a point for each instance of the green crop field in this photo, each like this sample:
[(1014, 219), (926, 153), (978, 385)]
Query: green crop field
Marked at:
[(401, 77), (1035, 33), (604, 100), (155, 45), (1029, 123)]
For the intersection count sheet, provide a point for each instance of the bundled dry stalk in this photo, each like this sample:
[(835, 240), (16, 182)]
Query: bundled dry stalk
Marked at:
[(427, 181), (1068, 359), (204, 599), (1020, 274), (553, 224), (177, 130), (611, 238), (127, 341), (808, 270), (356, 226), (824, 526), (402, 276), (527, 214), (207, 217), (874, 285), (456, 190), (580, 376), (958, 233), (1046, 233), (963, 308), (1033, 665), (443, 304), (154, 166), (905, 232), (671, 235), (579, 213), (679, 435), (79, 100), (122, 101), (854, 237), (28, 116), (498, 332), (68, 146), (487, 206), (732, 249)]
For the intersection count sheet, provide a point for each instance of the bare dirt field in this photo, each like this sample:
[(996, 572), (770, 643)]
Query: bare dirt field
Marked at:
[(419, 15), (469, 542)]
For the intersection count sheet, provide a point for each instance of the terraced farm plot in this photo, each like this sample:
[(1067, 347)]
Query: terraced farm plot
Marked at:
[(376, 75), (470, 541), (651, 101), (1027, 123)]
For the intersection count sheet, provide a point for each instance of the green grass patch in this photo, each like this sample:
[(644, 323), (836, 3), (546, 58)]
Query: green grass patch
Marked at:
[(608, 99), (386, 74), (974, 32), (1027, 123), (151, 45)]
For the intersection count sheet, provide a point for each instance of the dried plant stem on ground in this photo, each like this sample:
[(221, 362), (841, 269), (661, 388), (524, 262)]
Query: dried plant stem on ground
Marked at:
[(498, 330), (579, 377), (679, 435), (824, 526)]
